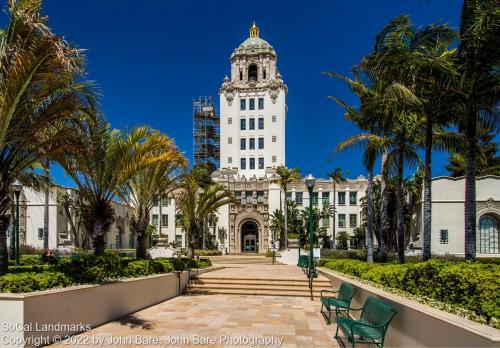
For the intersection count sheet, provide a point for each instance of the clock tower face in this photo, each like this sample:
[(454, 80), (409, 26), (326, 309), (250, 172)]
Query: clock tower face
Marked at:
[(253, 110)]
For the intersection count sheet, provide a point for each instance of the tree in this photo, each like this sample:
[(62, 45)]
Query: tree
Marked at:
[(42, 101), (337, 176), (476, 93), (195, 205), (109, 161), (143, 187), (285, 177)]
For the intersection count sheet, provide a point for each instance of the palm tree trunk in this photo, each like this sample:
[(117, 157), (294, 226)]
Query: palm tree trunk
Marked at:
[(470, 188), (400, 208), (46, 206), (369, 232), (384, 218), (334, 212), (4, 253), (99, 244), (426, 253), (286, 220), (141, 249), (192, 243)]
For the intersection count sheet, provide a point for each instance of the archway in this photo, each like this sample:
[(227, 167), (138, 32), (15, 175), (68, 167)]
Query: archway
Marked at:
[(488, 234), (249, 237)]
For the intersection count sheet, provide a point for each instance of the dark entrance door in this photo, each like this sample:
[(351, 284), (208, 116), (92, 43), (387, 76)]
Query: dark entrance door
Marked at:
[(249, 237)]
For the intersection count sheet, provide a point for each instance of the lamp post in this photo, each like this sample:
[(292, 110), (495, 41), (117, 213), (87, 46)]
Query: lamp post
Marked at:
[(300, 238), (310, 181), (273, 229), (17, 188)]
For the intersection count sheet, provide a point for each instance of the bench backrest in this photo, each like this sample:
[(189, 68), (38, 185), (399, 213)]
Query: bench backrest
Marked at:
[(377, 313), (346, 292)]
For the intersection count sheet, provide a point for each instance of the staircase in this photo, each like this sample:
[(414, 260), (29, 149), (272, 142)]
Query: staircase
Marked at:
[(241, 259), (208, 285)]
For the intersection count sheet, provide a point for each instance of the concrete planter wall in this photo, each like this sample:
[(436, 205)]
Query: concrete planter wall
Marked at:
[(22, 315), (419, 325)]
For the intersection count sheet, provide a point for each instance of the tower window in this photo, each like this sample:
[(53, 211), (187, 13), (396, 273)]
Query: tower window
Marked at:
[(243, 104), (274, 159), (229, 160), (252, 163), (243, 124), (274, 118), (252, 144), (241, 75), (264, 74), (252, 72), (261, 103), (229, 140), (251, 124), (274, 138), (243, 143), (252, 104), (261, 123), (230, 120), (243, 163), (261, 143), (261, 163)]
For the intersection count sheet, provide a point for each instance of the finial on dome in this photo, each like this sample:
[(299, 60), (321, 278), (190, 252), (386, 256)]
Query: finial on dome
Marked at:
[(254, 30)]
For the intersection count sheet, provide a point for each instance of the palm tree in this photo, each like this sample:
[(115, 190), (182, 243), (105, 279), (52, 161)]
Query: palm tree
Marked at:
[(337, 176), (109, 161), (195, 205), (145, 186), (41, 102), (285, 177), (476, 94)]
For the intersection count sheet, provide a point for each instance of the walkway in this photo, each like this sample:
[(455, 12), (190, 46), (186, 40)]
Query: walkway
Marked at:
[(226, 320)]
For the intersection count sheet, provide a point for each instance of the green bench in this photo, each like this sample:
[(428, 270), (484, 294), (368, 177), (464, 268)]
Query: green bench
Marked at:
[(303, 261), (340, 303), (371, 326)]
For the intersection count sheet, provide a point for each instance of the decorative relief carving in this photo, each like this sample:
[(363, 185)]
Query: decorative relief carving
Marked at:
[(229, 90), (490, 203)]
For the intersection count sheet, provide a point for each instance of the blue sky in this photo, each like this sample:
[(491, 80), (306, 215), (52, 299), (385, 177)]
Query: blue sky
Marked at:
[(151, 57)]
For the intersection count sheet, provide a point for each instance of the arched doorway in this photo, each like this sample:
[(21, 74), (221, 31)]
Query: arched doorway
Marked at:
[(249, 237), (488, 234)]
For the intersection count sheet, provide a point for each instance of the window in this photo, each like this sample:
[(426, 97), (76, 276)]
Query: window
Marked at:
[(252, 144), (261, 103), (118, 239), (298, 198), (243, 144), (155, 220), (243, 124), (274, 159), (488, 234), (178, 240), (230, 120), (261, 143), (251, 124), (261, 123), (341, 198), (252, 104), (164, 199), (326, 221), (252, 72), (260, 197), (249, 197), (274, 118), (237, 194), (274, 138), (252, 162), (352, 198), (261, 163), (164, 220), (353, 220), (341, 220), (314, 198), (443, 236), (229, 160), (243, 104), (288, 196), (40, 233), (325, 197), (241, 75), (243, 163), (264, 74), (230, 140)]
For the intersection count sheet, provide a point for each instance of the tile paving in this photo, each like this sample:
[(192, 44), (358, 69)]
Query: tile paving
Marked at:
[(222, 320)]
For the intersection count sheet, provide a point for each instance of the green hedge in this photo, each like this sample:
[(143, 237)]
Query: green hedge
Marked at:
[(28, 282), (207, 252), (473, 286)]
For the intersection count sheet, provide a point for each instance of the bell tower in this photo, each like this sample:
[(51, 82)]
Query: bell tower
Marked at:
[(253, 110)]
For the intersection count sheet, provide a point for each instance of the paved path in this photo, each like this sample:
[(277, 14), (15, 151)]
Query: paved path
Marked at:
[(228, 320)]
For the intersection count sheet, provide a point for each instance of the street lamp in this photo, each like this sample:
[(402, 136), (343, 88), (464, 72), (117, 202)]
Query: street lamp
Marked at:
[(17, 187), (310, 181)]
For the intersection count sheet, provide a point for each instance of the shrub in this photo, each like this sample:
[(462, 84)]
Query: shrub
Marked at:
[(28, 282), (209, 252), (204, 263), (138, 268), (162, 265), (293, 236)]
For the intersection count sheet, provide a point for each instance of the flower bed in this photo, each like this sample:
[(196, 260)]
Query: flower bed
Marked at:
[(461, 286), (88, 269)]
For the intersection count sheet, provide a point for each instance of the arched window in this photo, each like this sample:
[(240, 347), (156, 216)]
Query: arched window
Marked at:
[(252, 72), (488, 234)]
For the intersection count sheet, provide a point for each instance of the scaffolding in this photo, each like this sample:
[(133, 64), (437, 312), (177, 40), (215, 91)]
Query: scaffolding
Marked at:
[(206, 136)]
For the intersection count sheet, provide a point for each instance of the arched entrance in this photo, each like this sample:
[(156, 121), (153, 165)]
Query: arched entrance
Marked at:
[(249, 237), (488, 234)]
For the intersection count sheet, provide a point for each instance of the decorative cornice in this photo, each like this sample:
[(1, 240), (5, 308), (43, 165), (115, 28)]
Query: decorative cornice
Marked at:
[(274, 86)]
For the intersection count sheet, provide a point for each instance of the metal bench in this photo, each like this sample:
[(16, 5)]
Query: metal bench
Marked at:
[(341, 302), (371, 326)]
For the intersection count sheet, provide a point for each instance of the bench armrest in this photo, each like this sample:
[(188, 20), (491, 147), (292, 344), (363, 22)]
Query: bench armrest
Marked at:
[(329, 291)]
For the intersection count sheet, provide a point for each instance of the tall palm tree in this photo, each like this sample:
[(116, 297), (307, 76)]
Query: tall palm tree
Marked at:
[(195, 205), (285, 177), (145, 186), (42, 100), (337, 176), (476, 94), (109, 161)]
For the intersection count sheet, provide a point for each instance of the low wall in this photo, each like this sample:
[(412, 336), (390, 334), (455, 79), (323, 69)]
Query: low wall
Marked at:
[(32, 319), (419, 325)]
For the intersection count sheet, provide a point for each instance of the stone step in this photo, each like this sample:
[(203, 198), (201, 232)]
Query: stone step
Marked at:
[(283, 282), (297, 293), (254, 287)]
